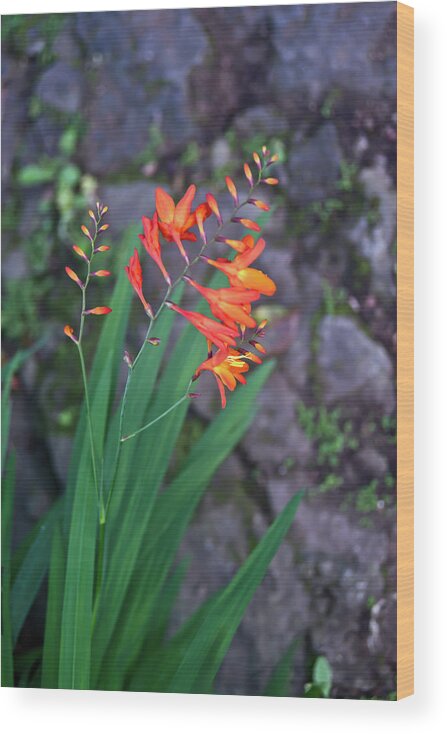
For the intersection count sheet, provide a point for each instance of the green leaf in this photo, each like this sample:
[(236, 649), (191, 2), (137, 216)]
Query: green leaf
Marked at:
[(30, 565), (322, 675), (172, 513), (279, 682), (7, 518), (35, 174), (69, 176), (53, 616), (75, 647), (68, 140), (205, 651), (8, 372)]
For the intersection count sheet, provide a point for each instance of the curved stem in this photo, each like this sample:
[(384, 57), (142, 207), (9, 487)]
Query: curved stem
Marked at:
[(159, 417)]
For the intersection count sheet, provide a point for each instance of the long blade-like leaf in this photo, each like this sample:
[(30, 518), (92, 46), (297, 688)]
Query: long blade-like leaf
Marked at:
[(32, 566), (205, 652), (53, 616), (171, 516), (75, 649), (7, 516)]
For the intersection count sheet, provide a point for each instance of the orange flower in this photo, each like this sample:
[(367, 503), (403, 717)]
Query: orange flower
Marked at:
[(176, 221), (241, 275), (135, 276), (227, 366), (230, 305), (215, 332), (151, 242)]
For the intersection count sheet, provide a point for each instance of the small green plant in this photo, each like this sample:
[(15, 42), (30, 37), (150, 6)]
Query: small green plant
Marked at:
[(348, 173), (321, 684), (332, 435)]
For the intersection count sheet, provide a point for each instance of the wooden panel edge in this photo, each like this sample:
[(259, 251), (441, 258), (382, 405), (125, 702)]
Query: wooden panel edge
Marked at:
[(405, 351)]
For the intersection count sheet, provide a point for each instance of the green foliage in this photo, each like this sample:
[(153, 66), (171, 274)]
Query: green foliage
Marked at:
[(280, 680), (320, 686), (113, 633), (348, 174), (16, 33), (332, 435)]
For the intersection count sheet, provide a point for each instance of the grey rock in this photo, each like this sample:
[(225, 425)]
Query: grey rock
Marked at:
[(127, 203), (275, 440), (374, 463), (315, 164), (344, 565), (333, 46), (220, 153), (296, 362), (141, 81), (60, 87), (353, 368), (260, 120), (376, 243)]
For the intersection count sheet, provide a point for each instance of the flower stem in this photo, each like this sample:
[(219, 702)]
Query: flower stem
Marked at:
[(159, 417), (99, 568)]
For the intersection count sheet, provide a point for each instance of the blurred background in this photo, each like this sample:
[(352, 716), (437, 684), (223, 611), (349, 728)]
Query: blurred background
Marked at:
[(108, 106)]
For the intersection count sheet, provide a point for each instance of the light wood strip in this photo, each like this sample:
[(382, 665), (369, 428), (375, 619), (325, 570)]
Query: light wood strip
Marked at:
[(405, 351)]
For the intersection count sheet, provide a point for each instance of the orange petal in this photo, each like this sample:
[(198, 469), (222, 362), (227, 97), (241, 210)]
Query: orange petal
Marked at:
[(80, 252), (68, 330), (232, 189), (165, 205), (212, 203), (98, 310), (248, 174), (261, 205), (102, 273), (257, 160), (183, 208), (249, 224), (259, 281), (270, 181), (71, 274)]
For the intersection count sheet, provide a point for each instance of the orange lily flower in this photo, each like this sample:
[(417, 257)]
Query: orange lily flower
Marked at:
[(241, 275), (175, 221), (215, 332), (135, 276), (230, 305), (227, 366), (151, 242)]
